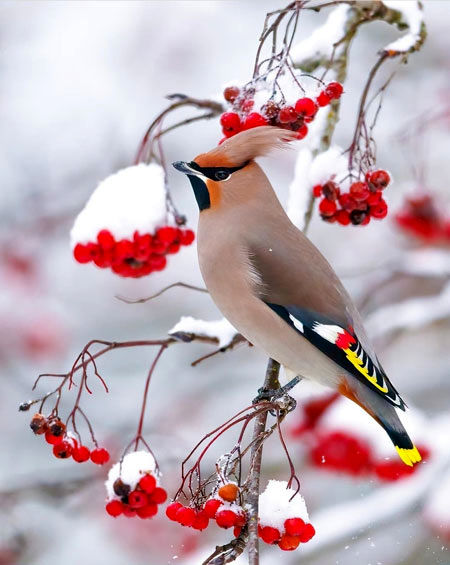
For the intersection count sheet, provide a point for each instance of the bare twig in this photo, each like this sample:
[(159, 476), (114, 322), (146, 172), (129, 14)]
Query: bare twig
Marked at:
[(162, 291)]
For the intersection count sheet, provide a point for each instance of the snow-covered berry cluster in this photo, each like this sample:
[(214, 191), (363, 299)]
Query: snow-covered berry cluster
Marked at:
[(253, 106), (125, 225), (133, 487), (283, 517), (422, 218), (362, 201), (65, 445), (222, 508)]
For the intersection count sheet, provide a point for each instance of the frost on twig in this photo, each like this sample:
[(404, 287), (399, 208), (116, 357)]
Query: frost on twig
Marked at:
[(412, 18), (221, 330)]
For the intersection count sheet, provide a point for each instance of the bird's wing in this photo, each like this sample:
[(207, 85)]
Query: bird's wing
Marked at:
[(299, 285)]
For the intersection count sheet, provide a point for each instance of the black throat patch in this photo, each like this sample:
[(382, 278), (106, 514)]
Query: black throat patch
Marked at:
[(200, 192)]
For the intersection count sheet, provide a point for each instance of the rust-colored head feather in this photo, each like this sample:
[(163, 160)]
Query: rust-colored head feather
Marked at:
[(245, 146)]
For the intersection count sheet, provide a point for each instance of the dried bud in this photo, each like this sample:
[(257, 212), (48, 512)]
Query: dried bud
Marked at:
[(229, 492), (121, 488), (25, 406), (270, 109), (38, 424), (330, 190), (357, 217)]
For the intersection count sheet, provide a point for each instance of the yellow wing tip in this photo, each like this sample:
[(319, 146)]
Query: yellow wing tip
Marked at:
[(409, 456)]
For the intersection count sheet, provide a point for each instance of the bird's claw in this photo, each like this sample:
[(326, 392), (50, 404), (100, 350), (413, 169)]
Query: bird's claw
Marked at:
[(272, 395)]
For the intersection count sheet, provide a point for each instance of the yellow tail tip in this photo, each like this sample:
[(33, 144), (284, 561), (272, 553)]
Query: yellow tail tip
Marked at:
[(409, 456)]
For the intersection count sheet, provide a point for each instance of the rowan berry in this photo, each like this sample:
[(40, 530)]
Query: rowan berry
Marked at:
[(147, 483), (185, 516), (231, 93), (114, 508), (81, 453), (269, 535), (211, 506), (294, 526), (62, 450), (289, 543), (38, 424), (99, 456), (287, 114), (334, 90), (172, 510), (306, 107), (228, 492), (226, 518)]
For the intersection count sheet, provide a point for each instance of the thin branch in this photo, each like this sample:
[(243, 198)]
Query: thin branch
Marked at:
[(162, 291)]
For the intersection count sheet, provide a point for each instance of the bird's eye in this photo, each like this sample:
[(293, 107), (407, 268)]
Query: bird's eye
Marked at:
[(221, 174)]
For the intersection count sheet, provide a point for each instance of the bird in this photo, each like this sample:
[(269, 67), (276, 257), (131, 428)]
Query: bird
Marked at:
[(276, 288)]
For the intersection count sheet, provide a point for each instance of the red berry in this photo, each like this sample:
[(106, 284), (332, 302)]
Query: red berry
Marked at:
[(114, 508), (81, 454), (327, 207), (186, 237), (147, 483), (226, 518), (172, 510), (99, 456), (306, 107), (269, 535), (81, 253), (359, 191), (52, 439), (343, 217), (254, 120), (334, 90), (294, 526), (289, 543), (158, 496), (307, 533), (128, 512), (230, 122), (287, 114), (185, 516), (366, 220), (231, 93), (201, 521), (137, 499), (374, 198), (323, 99), (57, 427), (347, 202), (317, 190), (147, 511), (379, 210), (378, 180), (237, 531), (302, 131), (173, 248), (167, 234), (105, 239), (211, 507), (331, 190), (158, 262), (123, 249), (62, 450)]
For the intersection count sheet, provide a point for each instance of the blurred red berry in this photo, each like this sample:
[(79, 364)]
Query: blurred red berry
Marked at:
[(287, 114), (172, 510), (269, 535), (186, 237), (159, 495), (137, 499), (374, 198), (226, 518), (288, 543), (99, 456), (147, 511), (307, 533), (347, 202), (185, 516), (62, 450), (331, 190), (306, 107), (237, 531), (327, 207), (114, 508), (317, 190), (379, 210), (147, 483), (158, 262), (211, 507), (201, 521), (81, 253), (359, 191), (323, 99), (230, 121), (129, 512), (52, 439), (81, 453), (254, 120), (302, 131), (105, 239), (294, 526), (167, 234), (334, 90), (343, 217), (378, 180), (231, 93)]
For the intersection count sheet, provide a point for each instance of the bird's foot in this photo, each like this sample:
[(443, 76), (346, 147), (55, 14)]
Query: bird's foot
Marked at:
[(272, 395)]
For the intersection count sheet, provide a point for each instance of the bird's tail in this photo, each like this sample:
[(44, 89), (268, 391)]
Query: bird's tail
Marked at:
[(386, 415)]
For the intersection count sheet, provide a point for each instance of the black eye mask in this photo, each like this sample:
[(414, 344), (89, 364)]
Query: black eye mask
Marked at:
[(216, 173)]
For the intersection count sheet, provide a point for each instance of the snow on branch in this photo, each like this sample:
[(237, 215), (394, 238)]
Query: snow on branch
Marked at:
[(320, 44), (221, 330), (412, 18)]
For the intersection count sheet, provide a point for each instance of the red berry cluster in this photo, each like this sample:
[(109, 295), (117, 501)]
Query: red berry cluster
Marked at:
[(223, 509), (345, 453), (293, 117), (141, 502), (422, 218), (362, 202), (135, 258), (65, 445), (295, 531)]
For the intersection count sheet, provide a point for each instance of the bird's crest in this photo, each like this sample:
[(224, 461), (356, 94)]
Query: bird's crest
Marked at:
[(245, 146)]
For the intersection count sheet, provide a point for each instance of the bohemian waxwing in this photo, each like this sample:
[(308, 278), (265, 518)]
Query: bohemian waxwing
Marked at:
[(275, 286)]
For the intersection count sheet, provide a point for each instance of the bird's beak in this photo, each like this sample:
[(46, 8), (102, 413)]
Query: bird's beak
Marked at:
[(184, 168)]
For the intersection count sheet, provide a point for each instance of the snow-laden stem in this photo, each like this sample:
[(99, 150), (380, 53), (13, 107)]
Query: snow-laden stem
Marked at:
[(271, 382)]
